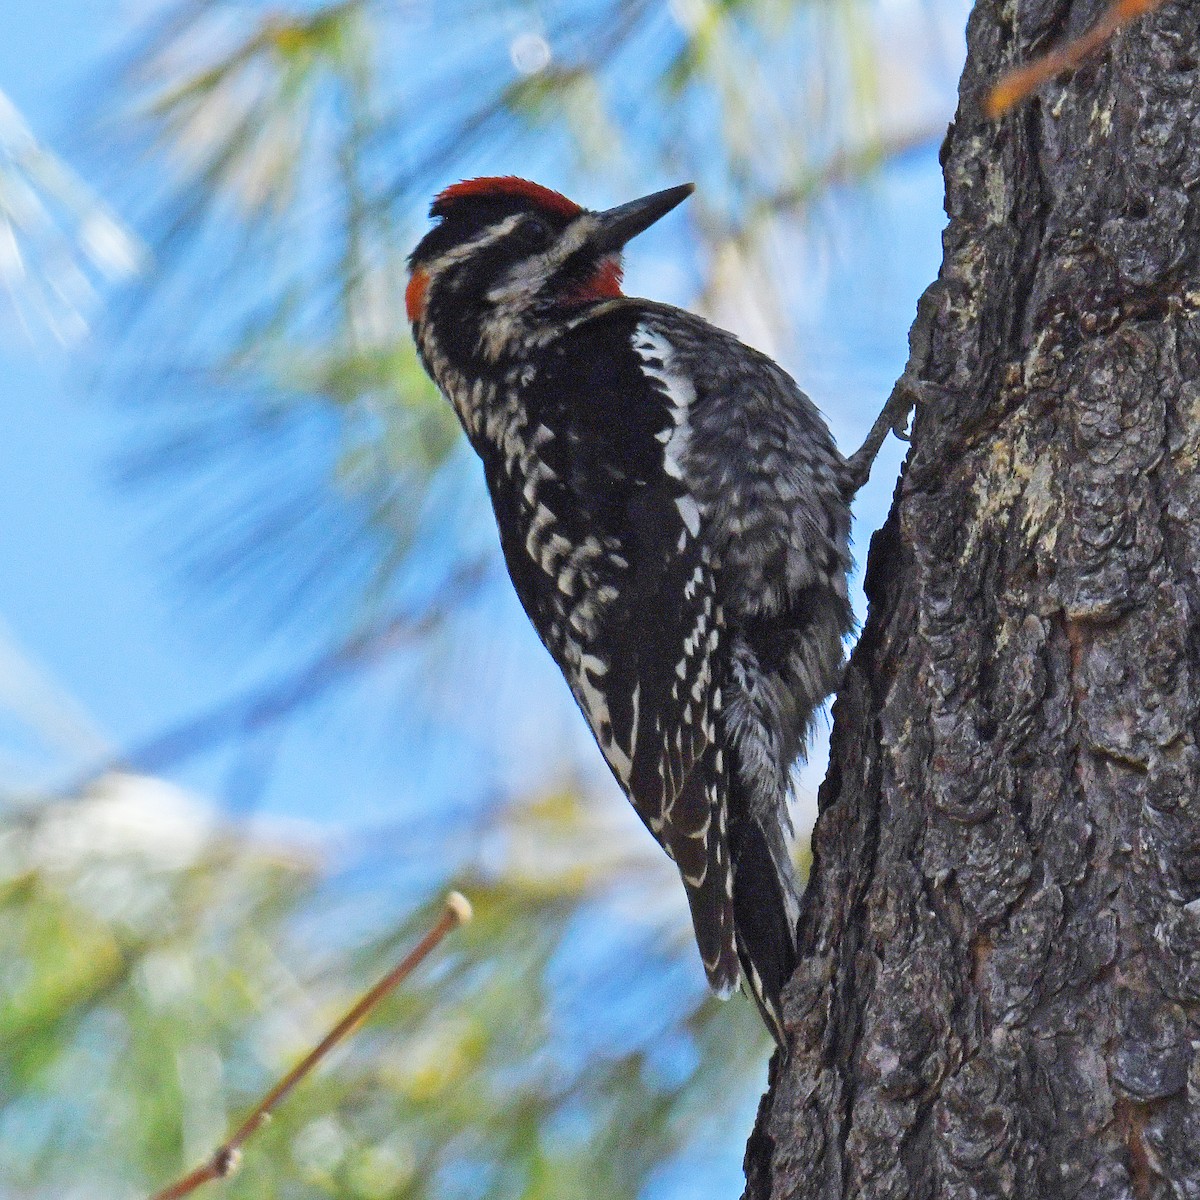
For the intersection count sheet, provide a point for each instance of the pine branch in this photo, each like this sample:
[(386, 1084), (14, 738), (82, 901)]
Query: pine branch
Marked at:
[(225, 1160), (1024, 81)]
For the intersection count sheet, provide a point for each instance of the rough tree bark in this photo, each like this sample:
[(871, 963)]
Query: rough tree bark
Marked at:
[(1000, 986)]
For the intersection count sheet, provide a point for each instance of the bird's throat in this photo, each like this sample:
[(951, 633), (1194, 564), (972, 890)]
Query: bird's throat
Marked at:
[(605, 284)]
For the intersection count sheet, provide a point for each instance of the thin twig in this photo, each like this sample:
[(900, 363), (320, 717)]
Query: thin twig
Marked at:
[(224, 1162), (1016, 85)]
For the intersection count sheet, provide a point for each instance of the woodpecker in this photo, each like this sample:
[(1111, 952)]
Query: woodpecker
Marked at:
[(674, 516)]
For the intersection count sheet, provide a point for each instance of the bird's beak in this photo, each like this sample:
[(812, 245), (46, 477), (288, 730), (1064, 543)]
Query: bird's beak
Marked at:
[(618, 225)]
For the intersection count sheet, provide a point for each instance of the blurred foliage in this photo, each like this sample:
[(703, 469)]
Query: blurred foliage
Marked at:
[(58, 241), (160, 967)]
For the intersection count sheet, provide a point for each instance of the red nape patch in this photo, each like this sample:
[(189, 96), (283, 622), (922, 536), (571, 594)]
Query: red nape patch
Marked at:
[(604, 285), (504, 185), (414, 294)]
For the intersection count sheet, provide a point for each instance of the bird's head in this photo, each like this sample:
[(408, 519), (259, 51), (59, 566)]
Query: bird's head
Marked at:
[(507, 252)]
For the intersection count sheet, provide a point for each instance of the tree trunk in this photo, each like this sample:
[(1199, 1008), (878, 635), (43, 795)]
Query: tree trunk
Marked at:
[(999, 992)]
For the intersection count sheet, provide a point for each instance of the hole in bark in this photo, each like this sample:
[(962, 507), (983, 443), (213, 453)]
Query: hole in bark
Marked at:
[(981, 953), (1138, 209), (1148, 308)]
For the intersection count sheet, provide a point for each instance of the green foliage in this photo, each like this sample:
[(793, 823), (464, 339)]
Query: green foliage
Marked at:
[(162, 969)]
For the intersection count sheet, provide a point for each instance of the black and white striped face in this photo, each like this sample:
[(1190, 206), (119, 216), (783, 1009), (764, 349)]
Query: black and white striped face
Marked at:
[(508, 253)]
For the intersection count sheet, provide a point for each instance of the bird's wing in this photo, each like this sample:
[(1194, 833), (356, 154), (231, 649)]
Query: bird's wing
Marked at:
[(606, 553)]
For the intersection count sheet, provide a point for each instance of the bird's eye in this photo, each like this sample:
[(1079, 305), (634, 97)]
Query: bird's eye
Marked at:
[(536, 230)]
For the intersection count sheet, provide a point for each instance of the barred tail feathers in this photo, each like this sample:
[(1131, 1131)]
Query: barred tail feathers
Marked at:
[(740, 888), (765, 914), (694, 835)]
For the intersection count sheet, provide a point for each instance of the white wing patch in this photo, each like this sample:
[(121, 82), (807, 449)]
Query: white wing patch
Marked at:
[(658, 358), (689, 510)]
